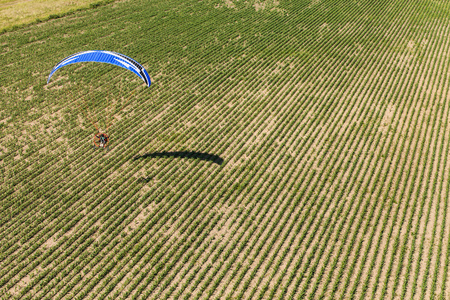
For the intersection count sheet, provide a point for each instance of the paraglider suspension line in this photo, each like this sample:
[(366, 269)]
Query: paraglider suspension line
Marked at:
[(87, 115), (110, 120)]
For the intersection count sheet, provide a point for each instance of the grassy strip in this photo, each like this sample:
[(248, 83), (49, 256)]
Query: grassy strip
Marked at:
[(16, 15)]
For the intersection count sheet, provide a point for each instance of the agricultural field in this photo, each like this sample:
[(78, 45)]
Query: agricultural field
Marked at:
[(285, 150)]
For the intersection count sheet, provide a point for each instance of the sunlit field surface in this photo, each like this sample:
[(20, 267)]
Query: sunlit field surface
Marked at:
[(285, 149), (20, 12)]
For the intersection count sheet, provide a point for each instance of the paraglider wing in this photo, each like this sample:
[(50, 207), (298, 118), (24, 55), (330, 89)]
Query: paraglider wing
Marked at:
[(109, 57)]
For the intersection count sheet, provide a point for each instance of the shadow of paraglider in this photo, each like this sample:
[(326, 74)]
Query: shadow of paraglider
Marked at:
[(183, 154)]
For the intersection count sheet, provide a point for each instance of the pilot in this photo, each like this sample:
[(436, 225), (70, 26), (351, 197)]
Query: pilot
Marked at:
[(103, 139)]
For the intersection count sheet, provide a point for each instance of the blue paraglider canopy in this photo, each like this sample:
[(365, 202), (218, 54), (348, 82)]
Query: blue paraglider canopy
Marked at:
[(102, 56)]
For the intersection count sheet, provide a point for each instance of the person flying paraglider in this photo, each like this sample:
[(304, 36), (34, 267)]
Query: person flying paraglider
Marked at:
[(101, 139)]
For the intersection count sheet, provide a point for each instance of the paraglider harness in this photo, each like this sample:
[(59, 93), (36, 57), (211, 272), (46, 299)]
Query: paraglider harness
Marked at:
[(101, 140)]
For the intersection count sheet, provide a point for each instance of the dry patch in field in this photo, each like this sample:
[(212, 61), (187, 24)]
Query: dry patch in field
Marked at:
[(20, 285), (266, 5), (17, 12), (387, 118), (229, 4), (50, 242), (347, 29), (137, 220), (3, 150)]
